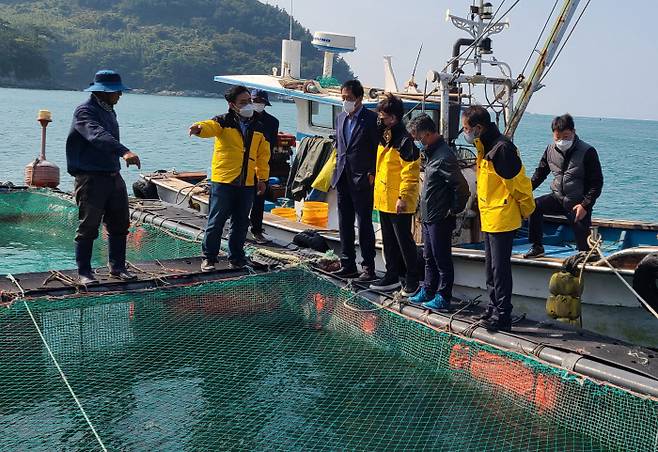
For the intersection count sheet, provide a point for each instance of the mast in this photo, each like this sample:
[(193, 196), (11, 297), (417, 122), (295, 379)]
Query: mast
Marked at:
[(543, 61)]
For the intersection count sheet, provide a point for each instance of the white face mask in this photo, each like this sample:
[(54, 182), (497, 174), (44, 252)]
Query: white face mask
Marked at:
[(348, 106), (563, 145), (469, 137), (247, 111), (259, 108)]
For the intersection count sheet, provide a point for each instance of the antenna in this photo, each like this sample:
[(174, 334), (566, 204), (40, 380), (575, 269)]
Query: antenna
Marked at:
[(413, 73), (412, 86), (290, 21)]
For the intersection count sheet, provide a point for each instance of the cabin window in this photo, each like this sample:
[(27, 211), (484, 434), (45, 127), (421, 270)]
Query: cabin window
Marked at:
[(322, 115)]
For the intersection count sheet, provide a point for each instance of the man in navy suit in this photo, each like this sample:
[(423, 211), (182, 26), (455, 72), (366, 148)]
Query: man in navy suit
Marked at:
[(357, 138)]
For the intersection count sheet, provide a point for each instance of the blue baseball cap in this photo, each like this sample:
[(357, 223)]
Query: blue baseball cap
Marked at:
[(107, 81), (260, 94)]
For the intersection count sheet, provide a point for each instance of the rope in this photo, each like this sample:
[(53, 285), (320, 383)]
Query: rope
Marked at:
[(157, 277), (534, 48), (64, 279), (66, 382), (595, 245), (189, 194), (11, 278)]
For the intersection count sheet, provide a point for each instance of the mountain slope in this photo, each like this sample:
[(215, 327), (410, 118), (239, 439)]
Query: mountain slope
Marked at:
[(156, 44)]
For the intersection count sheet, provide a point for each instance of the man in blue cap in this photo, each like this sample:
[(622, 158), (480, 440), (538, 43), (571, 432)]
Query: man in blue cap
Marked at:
[(270, 127), (93, 151)]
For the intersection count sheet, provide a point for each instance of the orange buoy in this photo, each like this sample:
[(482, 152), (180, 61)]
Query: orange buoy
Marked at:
[(41, 172)]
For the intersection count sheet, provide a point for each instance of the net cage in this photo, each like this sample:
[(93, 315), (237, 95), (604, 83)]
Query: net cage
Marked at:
[(285, 360), (37, 228)]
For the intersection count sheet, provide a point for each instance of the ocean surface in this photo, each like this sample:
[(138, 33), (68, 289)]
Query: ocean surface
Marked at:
[(155, 127)]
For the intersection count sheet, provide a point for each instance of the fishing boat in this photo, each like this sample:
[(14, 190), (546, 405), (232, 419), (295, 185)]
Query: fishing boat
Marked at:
[(610, 304)]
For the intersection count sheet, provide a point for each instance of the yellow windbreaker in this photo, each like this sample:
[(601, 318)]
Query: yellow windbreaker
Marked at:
[(237, 159), (397, 172), (504, 191)]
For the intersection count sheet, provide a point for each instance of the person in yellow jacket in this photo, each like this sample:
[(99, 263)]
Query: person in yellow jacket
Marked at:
[(396, 192), (239, 162), (504, 199)]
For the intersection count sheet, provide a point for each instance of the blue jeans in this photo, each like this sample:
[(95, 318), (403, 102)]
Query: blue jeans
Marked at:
[(437, 251), (227, 201)]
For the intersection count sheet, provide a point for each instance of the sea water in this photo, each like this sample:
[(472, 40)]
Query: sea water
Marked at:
[(155, 127)]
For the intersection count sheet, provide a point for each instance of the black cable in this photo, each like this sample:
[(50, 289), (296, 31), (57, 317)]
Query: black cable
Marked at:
[(534, 48), (565, 41)]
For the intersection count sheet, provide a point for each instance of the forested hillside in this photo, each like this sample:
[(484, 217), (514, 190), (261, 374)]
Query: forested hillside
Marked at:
[(156, 44)]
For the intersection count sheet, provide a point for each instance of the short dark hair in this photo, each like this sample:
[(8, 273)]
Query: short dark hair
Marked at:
[(421, 123), (233, 92), (562, 123), (391, 105), (477, 115), (354, 86)]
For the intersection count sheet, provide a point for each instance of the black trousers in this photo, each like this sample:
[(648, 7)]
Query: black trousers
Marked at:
[(257, 209), (101, 198), (437, 251), (550, 205), (400, 249), (355, 204), (498, 263)]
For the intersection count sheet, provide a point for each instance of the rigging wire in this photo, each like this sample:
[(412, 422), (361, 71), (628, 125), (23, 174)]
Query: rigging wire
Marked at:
[(565, 42), (534, 48)]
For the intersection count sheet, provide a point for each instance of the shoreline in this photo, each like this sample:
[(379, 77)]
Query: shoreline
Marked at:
[(47, 86)]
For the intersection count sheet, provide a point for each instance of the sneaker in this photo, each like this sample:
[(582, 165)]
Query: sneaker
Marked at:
[(409, 289), (207, 265), (420, 297), (437, 303), (385, 284), (497, 324), (346, 272), (367, 275), (534, 251), (87, 279), (259, 238)]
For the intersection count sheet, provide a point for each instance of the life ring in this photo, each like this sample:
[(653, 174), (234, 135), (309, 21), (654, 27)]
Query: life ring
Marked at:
[(645, 279)]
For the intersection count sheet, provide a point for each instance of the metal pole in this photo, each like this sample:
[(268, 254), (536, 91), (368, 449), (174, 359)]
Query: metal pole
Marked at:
[(444, 87), (545, 57), (44, 124)]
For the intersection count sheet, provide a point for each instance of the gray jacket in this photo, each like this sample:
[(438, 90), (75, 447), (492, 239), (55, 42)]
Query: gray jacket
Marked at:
[(445, 190)]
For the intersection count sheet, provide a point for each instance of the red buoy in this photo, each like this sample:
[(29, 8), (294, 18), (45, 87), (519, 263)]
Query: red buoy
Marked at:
[(41, 172)]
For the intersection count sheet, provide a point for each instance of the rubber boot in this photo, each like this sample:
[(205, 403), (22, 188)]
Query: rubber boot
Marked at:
[(83, 250), (116, 245)]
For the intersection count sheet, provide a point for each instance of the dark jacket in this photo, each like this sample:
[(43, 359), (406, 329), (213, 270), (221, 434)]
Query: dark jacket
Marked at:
[(577, 171), (312, 153), (93, 141), (358, 158), (445, 190), (270, 128)]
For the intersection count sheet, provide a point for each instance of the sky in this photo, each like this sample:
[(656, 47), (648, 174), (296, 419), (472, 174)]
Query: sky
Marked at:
[(607, 69)]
